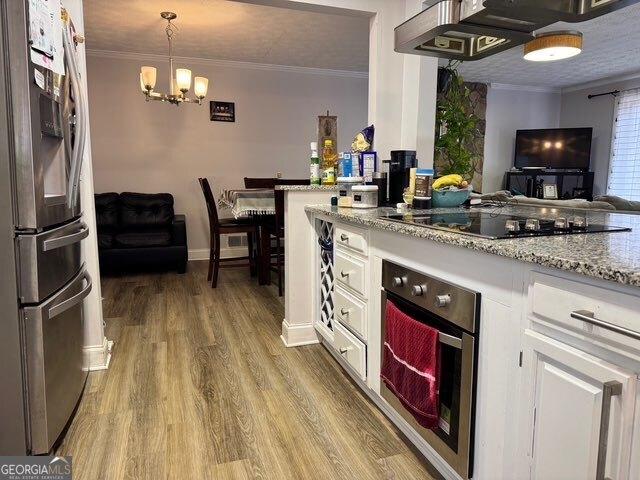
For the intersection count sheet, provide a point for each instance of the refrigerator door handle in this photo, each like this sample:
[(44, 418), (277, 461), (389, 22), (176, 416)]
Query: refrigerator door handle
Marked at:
[(81, 120), (73, 301), (59, 242)]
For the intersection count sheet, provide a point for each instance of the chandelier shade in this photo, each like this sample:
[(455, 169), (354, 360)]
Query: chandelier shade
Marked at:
[(148, 75), (183, 79), (200, 87)]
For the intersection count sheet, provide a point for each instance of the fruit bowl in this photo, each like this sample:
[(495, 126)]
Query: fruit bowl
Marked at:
[(449, 198)]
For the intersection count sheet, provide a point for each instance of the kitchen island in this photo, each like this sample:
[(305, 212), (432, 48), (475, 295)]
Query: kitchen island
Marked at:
[(556, 356)]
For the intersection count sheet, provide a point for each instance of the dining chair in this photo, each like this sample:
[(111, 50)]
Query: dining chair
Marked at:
[(276, 229), (255, 182), (225, 226)]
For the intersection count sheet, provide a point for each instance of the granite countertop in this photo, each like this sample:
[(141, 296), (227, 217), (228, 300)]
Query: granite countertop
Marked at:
[(329, 188), (611, 256)]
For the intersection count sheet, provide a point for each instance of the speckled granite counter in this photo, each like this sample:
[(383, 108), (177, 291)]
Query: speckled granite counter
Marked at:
[(307, 188), (610, 256)]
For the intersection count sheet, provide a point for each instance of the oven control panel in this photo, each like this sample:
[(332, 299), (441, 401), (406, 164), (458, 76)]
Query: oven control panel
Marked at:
[(451, 302)]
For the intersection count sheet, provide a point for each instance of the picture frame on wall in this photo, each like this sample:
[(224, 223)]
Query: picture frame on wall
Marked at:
[(222, 111)]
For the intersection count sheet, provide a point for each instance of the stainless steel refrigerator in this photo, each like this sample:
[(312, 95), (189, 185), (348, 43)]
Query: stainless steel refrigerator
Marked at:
[(43, 118)]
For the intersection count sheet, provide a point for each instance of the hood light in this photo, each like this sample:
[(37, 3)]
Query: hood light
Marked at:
[(552, 46)]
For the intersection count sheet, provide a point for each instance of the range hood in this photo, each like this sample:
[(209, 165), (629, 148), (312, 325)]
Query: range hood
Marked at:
[(475, 29)]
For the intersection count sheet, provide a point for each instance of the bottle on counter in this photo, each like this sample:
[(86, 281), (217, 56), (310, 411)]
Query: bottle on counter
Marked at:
[(329, 164), (314, 165)]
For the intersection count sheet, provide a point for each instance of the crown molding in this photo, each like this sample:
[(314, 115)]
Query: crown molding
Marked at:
[(602, 82), (152, 57), (524, 88)]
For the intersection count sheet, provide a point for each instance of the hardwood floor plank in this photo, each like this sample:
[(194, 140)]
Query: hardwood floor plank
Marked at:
[(201, 387)]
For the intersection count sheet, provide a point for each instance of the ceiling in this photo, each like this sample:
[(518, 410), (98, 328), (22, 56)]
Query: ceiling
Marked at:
[(223, 29), (611, 46)]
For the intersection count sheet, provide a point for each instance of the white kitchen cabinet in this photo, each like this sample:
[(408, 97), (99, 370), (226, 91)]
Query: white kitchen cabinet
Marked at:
[(568, 398)]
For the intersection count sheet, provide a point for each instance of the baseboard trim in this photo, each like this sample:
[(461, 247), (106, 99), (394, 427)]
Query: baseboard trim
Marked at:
[(228, 252), (298, 335), (98, 357)]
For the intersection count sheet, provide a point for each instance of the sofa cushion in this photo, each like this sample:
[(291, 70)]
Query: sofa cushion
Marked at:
[(105, 240), (145, 209), (144, 238), (107, 210)]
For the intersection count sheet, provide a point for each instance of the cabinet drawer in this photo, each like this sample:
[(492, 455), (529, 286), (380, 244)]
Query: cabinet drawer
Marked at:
[(552, 300), (352, 239), (351, 312), (352, 350), (351, 272)]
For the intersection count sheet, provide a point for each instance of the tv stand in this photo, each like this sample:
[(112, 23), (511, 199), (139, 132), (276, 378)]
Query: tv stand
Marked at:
[(570, 184)]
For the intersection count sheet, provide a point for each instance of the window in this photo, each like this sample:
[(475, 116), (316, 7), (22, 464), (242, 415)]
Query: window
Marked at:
[(624, 168)]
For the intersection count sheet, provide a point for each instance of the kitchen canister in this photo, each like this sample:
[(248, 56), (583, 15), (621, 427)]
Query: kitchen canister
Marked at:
[(345, 187), (365, 196)]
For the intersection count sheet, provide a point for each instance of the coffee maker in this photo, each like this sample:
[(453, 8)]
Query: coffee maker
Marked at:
[(400, 165)]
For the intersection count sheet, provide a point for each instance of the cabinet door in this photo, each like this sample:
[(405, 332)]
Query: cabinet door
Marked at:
[(578, 413)]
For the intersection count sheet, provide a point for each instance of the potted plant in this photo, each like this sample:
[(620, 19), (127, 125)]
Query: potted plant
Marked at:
[(456, 127)]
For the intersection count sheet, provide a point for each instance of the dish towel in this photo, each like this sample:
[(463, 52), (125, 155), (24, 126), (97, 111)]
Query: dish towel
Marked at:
[(410, 366)]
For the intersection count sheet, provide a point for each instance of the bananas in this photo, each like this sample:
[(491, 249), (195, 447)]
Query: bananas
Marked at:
[(448, 181)]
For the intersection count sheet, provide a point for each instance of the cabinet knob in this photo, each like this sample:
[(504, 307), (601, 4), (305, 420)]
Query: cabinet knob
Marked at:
[(343, 350), (418, 290), (344, 274), (344, 312), (443, 300), (344, 237), (398, 281)]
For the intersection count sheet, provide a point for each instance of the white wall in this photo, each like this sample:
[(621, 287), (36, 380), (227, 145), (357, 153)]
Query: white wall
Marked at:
[(402, 88), (578, 111), (511, 108), (156, 147)]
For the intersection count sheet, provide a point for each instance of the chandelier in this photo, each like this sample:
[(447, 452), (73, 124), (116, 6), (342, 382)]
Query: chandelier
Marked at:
[(178, 85)]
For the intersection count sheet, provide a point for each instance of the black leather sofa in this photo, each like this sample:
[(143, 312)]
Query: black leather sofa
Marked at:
[(139, 231)]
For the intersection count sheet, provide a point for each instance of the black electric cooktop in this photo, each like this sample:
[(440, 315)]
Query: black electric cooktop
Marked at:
[(500, 225)]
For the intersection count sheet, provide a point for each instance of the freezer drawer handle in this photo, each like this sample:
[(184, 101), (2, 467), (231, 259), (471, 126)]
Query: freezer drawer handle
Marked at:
[(73, 301), (589, 317), (54, 243)]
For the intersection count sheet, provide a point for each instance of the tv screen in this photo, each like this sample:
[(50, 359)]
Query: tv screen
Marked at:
[(555, 148)]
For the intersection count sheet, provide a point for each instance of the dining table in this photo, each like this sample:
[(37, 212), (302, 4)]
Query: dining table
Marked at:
[(258, 205)]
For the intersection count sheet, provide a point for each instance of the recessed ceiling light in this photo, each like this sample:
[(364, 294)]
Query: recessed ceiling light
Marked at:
[(552, 46)]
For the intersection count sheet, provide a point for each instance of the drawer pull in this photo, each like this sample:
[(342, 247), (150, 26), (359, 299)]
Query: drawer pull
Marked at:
[(344, 312), (344, 274), (344, 237), (610, 389), (590, 317), (344, 350)]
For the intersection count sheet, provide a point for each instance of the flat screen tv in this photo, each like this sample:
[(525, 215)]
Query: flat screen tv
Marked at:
[(554, 148)]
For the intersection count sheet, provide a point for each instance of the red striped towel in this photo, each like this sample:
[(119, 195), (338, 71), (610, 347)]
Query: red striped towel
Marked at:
[(410, 366)]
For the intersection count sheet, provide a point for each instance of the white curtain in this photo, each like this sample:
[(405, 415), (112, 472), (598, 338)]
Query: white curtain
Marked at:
[(624, 167)]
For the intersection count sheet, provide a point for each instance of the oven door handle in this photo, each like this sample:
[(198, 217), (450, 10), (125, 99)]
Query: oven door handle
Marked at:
[(450, 340)]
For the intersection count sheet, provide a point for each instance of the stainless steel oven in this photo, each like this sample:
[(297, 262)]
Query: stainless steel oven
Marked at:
[(454, 312)]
